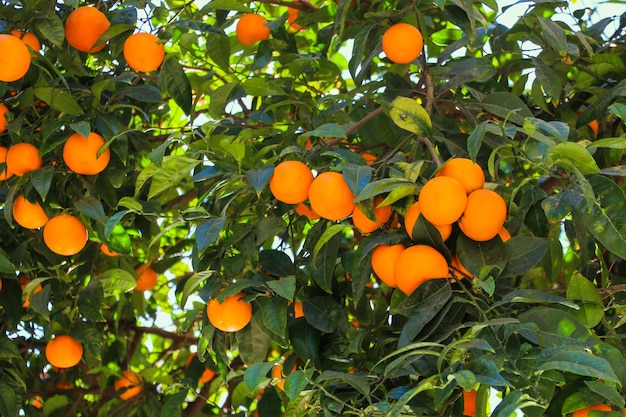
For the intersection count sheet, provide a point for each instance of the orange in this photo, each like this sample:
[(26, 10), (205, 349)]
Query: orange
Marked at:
[(129, 384), (290, 182), (460, 271), (83, 28), (104, 248), (143, 52), (81, 154), (304, 210), (5, 174), (22, 158), (64, 351), (147, 278), (442, 200), (251, 28), (14, 58), (28, 38), (277, 373), (0, 284), (298, 310), (3, 117), (384, 260), (27, 214), (465, 171), (402, 43), (584, 412), (330, 196), (364, 224), (24, 281), (595, 127), (206, 376), (484, 215), (369, 158), (411, 216), (469, 403), (65, 235), (418, 264), (504, 234), (292, 16), (230, 316), (38, 402)]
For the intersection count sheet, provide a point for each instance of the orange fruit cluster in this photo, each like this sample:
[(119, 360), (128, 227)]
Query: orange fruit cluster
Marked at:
[(230, 316)]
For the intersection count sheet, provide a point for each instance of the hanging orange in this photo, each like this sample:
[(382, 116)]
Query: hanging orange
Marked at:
[(230, 316), (83, 28), (65, 235), (143, 52), (80, 154), (14, 58)]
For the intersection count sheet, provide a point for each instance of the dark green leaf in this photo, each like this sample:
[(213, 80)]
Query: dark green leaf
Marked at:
[(143, 93), (208, 231), (276, 262), (305, 341), (506, 106), (10, 402), (42, 180), (324, 314), (422, 313), (285, 287), (523, 253), (357, 177), (173, 404), (8, 349), (174, 81), (554, 35), (360, 383), (82, 128), (296, 382), (487, 373), (329, 130), (325, 261), (92, 208), (531, 296), (58, 99), (256, 373), (51, 27), (259, 178), (550, 81), (576, 361), (274, 313), (253, 344), (91, 301), (475, 140)]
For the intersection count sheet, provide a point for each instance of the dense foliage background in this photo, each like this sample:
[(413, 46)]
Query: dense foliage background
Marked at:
[(539, 104)]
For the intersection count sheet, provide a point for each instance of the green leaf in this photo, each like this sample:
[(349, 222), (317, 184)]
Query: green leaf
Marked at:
[(554, 35), (256, 373), (357, 176), (82, 128), (56, 402), (475, 140), (51, 27), (385, 185), (573, 154), (8, 349), (115, 281), (10, 402), (360, 383), (92, 208), (259, 87), (42, 180), (580, 288), (172, 404), (506, 106), (328, 234), (285, 287), (174, 81), (576, 361), (409, 115), (423, 312), (6, 267), (58, 99), (193, 283), (305, 341), (259, 178), (143, 93), (324, 263), (208, 231), (324, 314), (557, 325), (276, 262), (296, 382), (611, 143), (174, 169), (487, 373), (91, 301), (523, 253), (550, 81), (328, 130), (478, 255), (530, 296), (618, 109), (253, 344), (274, 313)]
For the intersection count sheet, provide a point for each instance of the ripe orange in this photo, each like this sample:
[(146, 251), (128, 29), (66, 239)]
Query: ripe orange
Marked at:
[(402, 43), (442, 200), (411, 216), (80, 154), (230, 316), (22, 158), (484, 215), (290, 182), (14, 58), (504, 234), (38, 402), (595, 127), (83, 28), (23, 280), (369, 158), (129, 384), (292, 16), (460, 271), (147, 278), (65, 235), (364, 224), (304, 210), (469, 403), (5, 174), (3, 117), (104, 248), (465, 171), (584, 412), (28, 215), (251, 28), (417, 264), (64, 351), (330, 196), (298, 311), (206, 376), (143, 52), (28, 38), (384, 260)]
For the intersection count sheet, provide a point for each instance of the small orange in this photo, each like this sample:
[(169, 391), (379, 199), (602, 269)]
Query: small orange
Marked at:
[(292, 16), (595, 127), (147, 278), (129, 385), (298, 310), (104, 248), (459, 270), (38, 402), (277, 373), (504, 234), (27, 214), (65, 235), (22, 158), (418, 264), (230, 316), (465, 171), (584, 412), (402, 43), (143, 52), (364, 223), (28, 38), (251, 28), (206, 376), (469, 403), (3, 117), (370, 158), (81, 154), (14, 58), (64, 351), (411, 216), (5, 174), (442, 200), (304, 210), (83, 28), (23, 280), (330, 196), (290, 182), (484, 215), (384, 260)]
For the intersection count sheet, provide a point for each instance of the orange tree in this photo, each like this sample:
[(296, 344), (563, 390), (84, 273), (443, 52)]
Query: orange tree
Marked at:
[(157, 192)]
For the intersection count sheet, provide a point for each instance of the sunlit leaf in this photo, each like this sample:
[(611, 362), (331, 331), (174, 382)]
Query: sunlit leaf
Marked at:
[(411, 116)]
